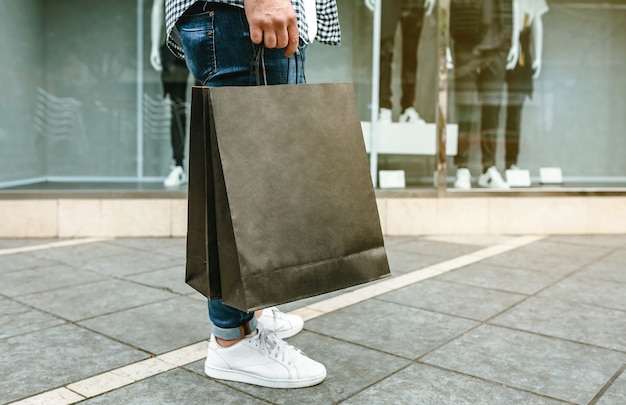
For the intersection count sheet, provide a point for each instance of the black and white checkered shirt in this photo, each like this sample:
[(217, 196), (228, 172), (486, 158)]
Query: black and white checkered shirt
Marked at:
[(328, 30)]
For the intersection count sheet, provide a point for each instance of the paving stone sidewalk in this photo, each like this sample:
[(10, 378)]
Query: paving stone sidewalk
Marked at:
[(544, 323)]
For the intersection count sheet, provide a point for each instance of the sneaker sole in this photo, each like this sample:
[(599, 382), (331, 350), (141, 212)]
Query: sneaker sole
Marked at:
[(238, 376)]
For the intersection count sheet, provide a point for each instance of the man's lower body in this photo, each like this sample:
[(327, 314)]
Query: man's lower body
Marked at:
[(219, 52), (479, 83)]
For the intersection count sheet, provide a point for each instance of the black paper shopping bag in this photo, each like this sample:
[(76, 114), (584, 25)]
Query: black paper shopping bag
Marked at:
[(281, 203)]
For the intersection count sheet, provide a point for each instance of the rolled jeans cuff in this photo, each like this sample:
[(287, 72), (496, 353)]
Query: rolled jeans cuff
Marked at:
[(235, 333)]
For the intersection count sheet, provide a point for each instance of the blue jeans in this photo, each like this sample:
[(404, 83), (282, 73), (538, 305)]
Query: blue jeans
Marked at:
[(219, 52)]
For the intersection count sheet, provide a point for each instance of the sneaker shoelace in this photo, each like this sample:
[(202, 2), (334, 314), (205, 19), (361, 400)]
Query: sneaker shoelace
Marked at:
[(273, 346)]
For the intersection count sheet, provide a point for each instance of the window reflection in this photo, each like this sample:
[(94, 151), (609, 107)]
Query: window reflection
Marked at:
[(536, 92)]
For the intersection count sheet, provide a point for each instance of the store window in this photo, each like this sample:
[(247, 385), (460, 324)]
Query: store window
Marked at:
[(81, 107), (84, 105), (395, 71), (538, 93)]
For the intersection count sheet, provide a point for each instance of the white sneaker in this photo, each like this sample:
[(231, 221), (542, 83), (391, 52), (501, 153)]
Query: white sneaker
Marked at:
[(410, 115), (284, 325), (515, 167), (264, 359), (384, 115), (492, 179), (463, 179), (176, 177)]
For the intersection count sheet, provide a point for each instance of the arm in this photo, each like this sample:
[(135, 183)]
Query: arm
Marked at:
[(274, 23), (156, 31), (538, 44), (513, 55)]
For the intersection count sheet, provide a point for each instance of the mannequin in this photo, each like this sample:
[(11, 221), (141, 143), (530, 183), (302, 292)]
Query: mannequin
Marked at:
[(410, 14), (485, 45), (519, 80), (174, 76)]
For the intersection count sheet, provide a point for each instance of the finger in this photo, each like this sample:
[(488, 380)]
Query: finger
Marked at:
[(256, 34), (269, 39), (282, 37), (293, 37)]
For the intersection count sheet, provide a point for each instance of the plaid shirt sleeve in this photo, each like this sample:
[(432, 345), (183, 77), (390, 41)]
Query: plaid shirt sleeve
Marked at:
[(328, 31)]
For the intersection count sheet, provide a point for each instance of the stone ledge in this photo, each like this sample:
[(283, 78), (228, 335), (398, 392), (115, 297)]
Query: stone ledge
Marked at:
[(404, 215)]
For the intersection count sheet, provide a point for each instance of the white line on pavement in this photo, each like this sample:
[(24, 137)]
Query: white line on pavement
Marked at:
[(44, 246)]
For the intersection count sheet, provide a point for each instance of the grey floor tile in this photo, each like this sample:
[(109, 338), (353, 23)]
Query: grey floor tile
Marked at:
[(52, 357), (547, 366), (421, 384), (89, 300), (482, 241), (17, 319), (591, 240), (403, 262), (44, 278), (433, 248), (393, 241), (557, 249), (79, 255), (175, 387), (176, 247), (171, 279), (605, 270), (618, 256), (318, 298), (397, 329), (350, 368), (569, 320), (290, 306), (454, 299), (521, 259), (136, 262), (158, 327), (21, 261), (616, 393), (582, 289), (515, 280)]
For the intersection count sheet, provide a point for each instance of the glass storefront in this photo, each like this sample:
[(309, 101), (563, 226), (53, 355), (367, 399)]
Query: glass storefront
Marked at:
[(83, 107), (561, 113)]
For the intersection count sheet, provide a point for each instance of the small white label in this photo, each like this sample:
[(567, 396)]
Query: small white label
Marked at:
[(518, 178), (551, 175), (391, 179)]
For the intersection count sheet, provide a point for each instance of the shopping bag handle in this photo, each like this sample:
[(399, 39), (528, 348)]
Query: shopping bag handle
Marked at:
[(259, 62)]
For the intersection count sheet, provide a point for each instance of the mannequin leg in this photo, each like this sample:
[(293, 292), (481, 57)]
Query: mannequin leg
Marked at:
[(466, 97), (467, 114), (389, 22), (490, 120), (512, 134), (491, 85), (411, 29), (178, 93)]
